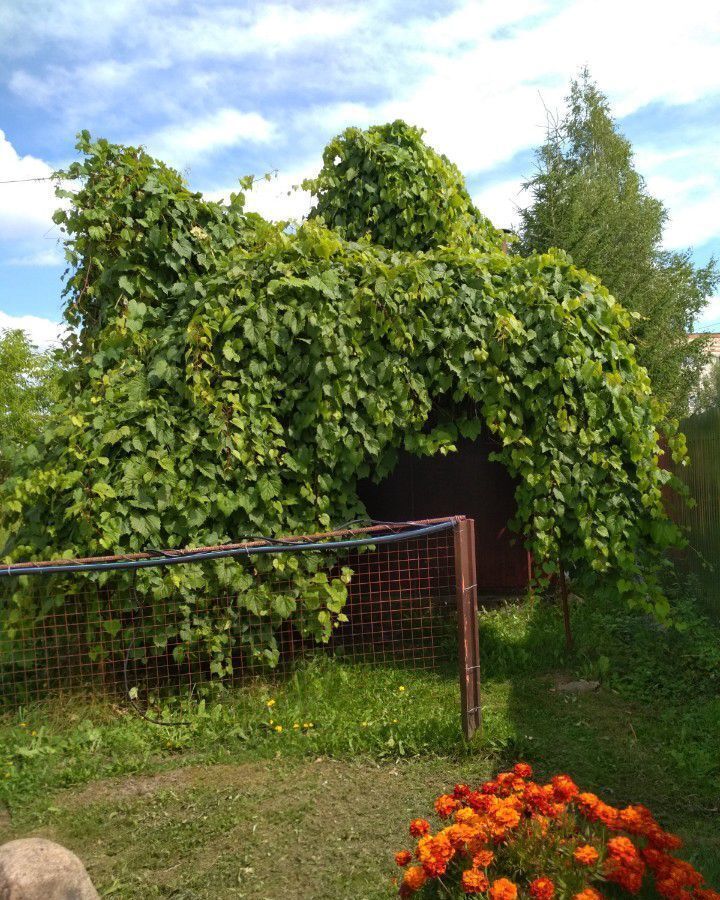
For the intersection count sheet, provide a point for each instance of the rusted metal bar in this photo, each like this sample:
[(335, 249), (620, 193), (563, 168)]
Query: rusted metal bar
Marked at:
[(380, 528), (468, 639), (565, 609)]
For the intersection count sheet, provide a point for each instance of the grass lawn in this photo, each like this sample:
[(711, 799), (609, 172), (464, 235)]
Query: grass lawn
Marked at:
[(232, 807)]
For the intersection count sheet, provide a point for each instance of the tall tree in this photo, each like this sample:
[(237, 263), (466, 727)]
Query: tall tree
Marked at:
[(589, 200), (28, 388)]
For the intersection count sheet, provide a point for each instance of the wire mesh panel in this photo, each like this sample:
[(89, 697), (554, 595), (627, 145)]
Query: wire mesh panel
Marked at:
[(119, 626)]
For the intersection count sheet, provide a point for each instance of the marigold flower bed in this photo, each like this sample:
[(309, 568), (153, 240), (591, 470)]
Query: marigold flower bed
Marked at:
[(516, 838)]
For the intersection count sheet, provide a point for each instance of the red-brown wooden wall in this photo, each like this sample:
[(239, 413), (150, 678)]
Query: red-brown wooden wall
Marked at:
[(462, 483)]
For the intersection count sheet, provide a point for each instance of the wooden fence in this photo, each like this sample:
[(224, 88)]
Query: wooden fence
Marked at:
[(703, 520)]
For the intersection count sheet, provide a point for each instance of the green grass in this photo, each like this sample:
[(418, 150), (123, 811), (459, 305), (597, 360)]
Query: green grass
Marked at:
[(230, 807)]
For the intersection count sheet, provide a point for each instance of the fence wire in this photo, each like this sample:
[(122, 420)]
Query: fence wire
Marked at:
[(72, 628)]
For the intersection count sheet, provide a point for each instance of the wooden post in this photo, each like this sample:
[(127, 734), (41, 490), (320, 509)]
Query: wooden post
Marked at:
[(468, 639), (565, 609)]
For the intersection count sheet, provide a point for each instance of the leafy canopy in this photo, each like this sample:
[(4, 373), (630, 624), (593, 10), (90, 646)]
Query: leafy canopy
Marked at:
[(385, 184), (28, 380), (589, 199), (227, 378)]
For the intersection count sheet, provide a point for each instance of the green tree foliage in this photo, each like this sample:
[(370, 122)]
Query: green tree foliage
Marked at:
[(230, 379), (589, 200), (27, 391)]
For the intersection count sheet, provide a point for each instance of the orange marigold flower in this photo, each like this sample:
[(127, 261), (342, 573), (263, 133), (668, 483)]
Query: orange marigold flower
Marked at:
[(662, 840), (503, 889), (627, 873), (657, 861), (413, 879), (536, 800), (435, 853), (564, 788), (403, 857), (483, 858), (588, 894), (523, 770), (594, 809), (474, 881), (445, 805), (461, 791), (623, 850), (542, 889), (587, 803), (478, 802), (636, 819), (586, 855), (466, 816), (507, 817), (706, 894), (419, 827), (459, 834)]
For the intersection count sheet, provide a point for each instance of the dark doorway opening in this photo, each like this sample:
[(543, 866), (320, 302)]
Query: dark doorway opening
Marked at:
[(462, 483)]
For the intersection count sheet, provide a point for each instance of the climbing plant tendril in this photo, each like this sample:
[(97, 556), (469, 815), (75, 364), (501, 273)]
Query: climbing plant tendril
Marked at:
[(227, 377)]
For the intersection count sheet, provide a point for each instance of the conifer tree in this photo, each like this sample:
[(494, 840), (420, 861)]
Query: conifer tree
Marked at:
[(589, 199)]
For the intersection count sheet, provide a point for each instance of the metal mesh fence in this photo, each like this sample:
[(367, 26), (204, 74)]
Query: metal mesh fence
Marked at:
[(91, 628)]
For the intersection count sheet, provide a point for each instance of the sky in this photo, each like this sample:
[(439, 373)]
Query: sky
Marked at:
[(220, 90)]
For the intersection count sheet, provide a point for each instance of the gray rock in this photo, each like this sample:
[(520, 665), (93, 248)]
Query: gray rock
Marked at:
[(578, 687), (37, 869)]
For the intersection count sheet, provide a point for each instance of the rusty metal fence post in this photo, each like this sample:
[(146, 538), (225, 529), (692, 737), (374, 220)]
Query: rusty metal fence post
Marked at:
[(468, 638)]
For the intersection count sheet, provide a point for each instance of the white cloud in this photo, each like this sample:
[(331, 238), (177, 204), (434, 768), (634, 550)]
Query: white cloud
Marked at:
[(693, 221), (500, 202), (162, 32), (227, 127), (59, 84), (233, 31), (492, 71), (278, 199), (43, 332), (282, 26), (26, 207), (693, 201), (489, 74), (51, 256), (710, 319), (81, 22)]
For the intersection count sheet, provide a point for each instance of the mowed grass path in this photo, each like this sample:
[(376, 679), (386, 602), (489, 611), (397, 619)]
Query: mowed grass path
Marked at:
[(230, 807)]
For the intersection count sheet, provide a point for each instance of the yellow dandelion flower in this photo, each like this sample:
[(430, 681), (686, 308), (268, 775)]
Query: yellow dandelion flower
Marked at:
[(296, 725), (270, 704), (401, 688), (278, 728)]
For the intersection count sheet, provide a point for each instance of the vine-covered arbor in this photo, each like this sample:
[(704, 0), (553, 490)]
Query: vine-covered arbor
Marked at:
[(228, 376)]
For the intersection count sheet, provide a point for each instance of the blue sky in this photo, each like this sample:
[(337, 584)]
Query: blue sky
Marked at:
[(223, 89)]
